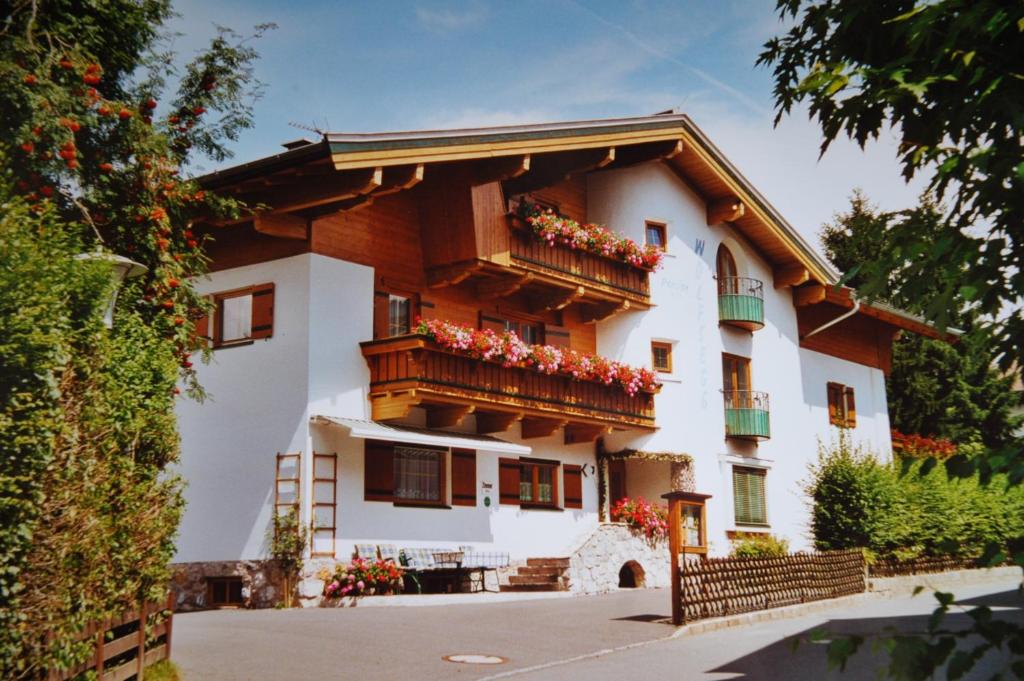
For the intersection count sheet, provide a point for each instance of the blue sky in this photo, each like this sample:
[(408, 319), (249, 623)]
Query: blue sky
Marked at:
[(373, 66)]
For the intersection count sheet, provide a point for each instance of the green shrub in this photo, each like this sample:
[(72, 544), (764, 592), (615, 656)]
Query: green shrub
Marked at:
[(909, 510), (758, 546)]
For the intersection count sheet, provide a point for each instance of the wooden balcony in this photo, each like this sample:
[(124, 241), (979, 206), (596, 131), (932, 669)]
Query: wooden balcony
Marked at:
[(741, 302), (608, 276), (747, 415), (412, 371)]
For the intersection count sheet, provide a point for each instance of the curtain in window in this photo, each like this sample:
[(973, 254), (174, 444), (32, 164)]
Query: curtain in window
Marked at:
[(398, 316), (237, 318), (417, 474)]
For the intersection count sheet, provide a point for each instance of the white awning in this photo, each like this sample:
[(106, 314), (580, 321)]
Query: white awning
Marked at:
[(372, 430)]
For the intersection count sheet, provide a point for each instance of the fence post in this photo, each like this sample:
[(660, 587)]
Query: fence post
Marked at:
[(675, 546), (141, 660), (101, 638), (169, 624)]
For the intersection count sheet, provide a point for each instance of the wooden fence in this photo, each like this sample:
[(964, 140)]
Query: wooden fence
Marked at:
[(126, 645), (890, 567), (715, 587)]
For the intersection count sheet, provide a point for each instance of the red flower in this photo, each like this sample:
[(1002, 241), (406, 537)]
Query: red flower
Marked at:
[(66, 63), (28, 147), (106, 167), (124, 114)]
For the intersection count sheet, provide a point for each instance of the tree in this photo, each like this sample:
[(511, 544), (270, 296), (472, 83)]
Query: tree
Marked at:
[(934, 389), (945, 76), (92, 160)]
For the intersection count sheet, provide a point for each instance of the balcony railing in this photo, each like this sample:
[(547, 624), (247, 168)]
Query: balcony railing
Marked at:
[(413, 371), (746, 414), (577, 267), (741, 302)]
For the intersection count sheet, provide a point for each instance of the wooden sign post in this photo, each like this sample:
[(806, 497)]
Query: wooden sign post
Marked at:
[(677, 541)]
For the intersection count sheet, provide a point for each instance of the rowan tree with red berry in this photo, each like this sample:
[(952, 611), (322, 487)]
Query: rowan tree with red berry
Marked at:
[(95, 149)]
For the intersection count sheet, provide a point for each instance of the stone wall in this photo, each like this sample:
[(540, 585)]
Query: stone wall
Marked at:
[(594, 566), (261, 582)]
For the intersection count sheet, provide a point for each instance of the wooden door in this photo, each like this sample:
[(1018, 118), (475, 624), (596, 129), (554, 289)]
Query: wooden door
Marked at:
[(616, 480)]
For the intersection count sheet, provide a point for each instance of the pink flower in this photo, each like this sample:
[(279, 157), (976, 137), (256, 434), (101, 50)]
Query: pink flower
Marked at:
[(361, 585)]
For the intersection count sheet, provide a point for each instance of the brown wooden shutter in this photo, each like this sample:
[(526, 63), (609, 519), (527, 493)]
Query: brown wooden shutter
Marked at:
[(509, 474), (573, 476), (495, 324), (380, 314), (263, 311), (202, 331), (851, 408), (835, 396), (378, 471), (556, 335), (463, 477)]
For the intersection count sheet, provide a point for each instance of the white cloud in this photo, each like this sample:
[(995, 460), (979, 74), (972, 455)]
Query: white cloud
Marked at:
[(450, 20)]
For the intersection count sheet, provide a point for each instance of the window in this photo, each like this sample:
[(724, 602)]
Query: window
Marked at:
[(735, 376), (399, 315), (529, 331), (406, 474), (726, 272), (842, 410), (661, 356), (240, 316), (529, 482), (655, 235), (419, 475), (224, 592), (748, 496)]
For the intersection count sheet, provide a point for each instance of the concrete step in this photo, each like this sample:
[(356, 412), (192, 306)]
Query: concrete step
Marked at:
[(547, 586), (533, 579), (540, 571), (548, 562)]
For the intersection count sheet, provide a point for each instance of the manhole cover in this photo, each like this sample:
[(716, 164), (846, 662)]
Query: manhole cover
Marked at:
[(470, 658)]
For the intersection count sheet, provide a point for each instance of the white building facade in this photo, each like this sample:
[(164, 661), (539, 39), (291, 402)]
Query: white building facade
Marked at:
[(304, 390)]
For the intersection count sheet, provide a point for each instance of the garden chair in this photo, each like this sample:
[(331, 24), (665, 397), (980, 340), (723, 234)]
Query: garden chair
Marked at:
[(366, 551), (389, 552)]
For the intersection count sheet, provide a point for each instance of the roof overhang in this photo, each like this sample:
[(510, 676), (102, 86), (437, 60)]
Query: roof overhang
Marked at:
[(373, 430)]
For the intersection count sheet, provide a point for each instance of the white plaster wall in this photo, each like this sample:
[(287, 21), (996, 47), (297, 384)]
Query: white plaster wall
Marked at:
[(521, 533), (689, 409), (257, 407)]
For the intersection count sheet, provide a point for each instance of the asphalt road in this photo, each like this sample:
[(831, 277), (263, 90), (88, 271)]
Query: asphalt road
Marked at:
[(613, 636)]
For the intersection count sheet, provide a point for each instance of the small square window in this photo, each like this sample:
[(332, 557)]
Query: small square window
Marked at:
[(655, 235), (224, 592), (537, 484), (661, 356)]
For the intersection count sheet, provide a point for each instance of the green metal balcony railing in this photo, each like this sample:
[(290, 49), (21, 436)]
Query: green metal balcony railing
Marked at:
[(741, 302), (747, 414)]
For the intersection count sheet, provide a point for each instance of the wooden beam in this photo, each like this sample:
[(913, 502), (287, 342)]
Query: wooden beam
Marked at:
[(446, 417), (642, 153), (808, 295), (725, 210), (284, 225), (596, 313), (451, 275), (584, 432), (496, 422), (503, 168), (394, 179), (502, 287), (790, 276), (317, 192), (540, 427), (552, 168), (393, 406), (560, 299)]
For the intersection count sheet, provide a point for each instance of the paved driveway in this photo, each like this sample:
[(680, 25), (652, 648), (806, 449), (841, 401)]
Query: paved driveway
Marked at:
[(613, 636)]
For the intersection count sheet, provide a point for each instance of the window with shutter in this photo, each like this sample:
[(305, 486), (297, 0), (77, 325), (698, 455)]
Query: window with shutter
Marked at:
[(842, 410), (463, 477), (573, 479), (748, 496), (399, 315), (509, 474), (419, 475), (242, 316), (378, 471)]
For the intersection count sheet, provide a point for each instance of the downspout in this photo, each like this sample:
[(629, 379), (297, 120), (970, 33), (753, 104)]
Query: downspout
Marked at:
[(856, 308)]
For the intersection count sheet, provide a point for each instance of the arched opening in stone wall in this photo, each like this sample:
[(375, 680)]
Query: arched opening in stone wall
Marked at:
[(631, 576)]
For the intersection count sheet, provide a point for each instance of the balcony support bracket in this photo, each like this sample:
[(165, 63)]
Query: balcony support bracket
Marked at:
[(539, 427)]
